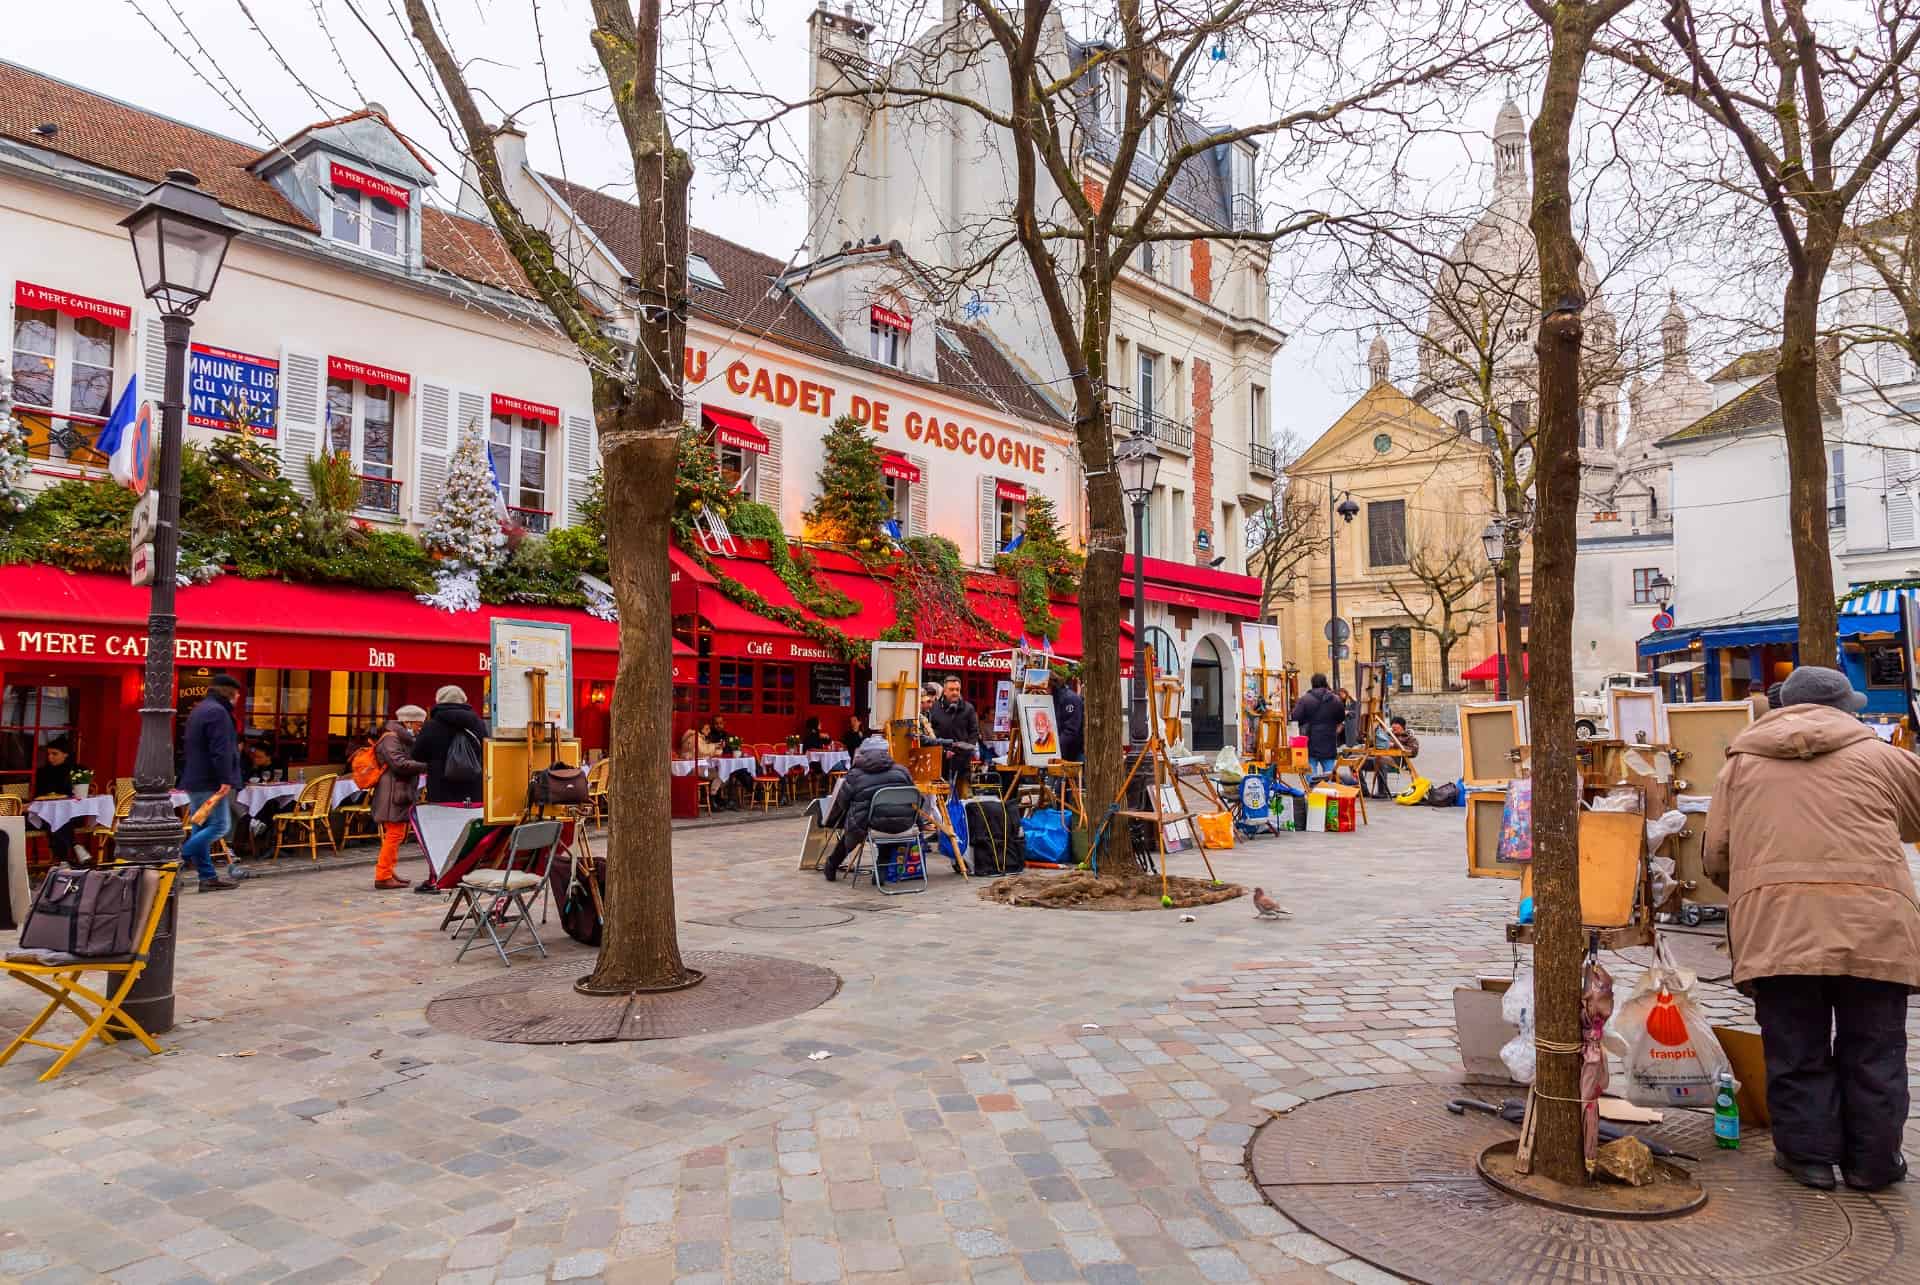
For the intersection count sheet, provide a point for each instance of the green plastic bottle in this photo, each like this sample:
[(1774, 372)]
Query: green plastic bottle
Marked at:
[(1726, 1114)]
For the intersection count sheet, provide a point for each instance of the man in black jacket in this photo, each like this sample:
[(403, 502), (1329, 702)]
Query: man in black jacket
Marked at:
[(1321, 715), (212, 764), (452, 720), (1070, 713), (873, 770), (955, 722)]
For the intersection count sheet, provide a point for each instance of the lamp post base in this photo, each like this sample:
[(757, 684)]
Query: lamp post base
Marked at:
[(151, 835)]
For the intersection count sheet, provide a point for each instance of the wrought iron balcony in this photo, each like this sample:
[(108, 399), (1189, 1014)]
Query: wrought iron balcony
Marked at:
[(1168, 432), (1263, 460), (380, 495), (536, 521)]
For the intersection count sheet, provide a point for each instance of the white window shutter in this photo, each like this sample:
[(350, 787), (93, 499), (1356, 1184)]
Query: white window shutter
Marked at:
[(579, 462), (153, 363), (989, 521), (917, 497), (1890, 359), (302, 414), (1899, 519), (766, 482), (433, 435)]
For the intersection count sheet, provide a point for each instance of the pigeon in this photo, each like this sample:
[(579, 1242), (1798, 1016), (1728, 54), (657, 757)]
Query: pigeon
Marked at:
[(1265, 907)]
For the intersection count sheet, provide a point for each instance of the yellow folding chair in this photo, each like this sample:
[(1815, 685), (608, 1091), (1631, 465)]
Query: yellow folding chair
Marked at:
[(57, 976), (312, 813)]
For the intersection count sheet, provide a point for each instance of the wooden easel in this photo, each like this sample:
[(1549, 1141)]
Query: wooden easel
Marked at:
[(1165, 779), (1017, 770), (903, 727)]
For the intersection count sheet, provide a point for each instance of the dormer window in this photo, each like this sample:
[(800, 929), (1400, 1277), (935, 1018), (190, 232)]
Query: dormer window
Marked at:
[(887, 333), (369, 213)]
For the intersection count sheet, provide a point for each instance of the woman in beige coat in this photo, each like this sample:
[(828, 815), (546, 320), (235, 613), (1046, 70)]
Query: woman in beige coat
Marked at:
[(1808, 833)]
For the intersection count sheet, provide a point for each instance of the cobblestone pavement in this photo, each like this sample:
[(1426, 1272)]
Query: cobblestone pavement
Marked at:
[(1012, 1095)]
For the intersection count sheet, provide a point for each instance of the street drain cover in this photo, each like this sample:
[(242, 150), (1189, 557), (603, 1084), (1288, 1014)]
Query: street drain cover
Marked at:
[(790, 917)]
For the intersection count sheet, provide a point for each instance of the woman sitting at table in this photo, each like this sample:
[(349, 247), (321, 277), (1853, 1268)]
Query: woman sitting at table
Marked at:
[(53, 779), (699, 742), (258, 768), (812, 738)]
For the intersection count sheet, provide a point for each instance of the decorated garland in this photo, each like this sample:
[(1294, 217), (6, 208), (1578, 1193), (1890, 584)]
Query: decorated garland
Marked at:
[(1042, 567), (930, 597)]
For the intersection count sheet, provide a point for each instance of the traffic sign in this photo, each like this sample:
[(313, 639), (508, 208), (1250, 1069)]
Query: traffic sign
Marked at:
[(1663, 620), (1339, 651), (1336, 630)]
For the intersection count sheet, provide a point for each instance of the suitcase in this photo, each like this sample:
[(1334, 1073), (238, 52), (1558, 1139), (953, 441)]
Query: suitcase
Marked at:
[(997, 846)]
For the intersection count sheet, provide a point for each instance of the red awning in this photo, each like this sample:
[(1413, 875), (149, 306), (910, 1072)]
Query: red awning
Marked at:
[(685, 669), (731, 428), (28, 295), (367, 373), (1182, 584), (503, 406), (1488, 670), (894, 464), (1005, 490), (51, 615)]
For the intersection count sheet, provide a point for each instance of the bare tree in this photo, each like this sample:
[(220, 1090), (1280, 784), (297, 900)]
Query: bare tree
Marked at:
[(637, 406), (1814, 113), (1880, 322), (1571, 27), (1285, 535), (1446, 569)]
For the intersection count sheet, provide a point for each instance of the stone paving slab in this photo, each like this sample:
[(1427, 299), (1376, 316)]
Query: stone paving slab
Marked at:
[(1011, 1094)]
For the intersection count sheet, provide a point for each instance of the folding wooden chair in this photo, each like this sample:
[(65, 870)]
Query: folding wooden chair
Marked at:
[(57, 976), (312, 812)]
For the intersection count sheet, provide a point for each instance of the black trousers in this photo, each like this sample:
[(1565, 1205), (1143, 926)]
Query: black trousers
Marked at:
[(850, 841), (1836, 1050)]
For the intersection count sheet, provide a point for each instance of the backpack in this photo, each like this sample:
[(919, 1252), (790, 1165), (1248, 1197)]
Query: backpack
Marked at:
[(367, 768), (997, 845), (560, 783), (88, 913), (1444, 794), (463, 759)]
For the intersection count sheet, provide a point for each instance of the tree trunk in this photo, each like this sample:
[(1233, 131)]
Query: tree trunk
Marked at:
[(640, 947), (1446, 649), (1798, 381), (1558, 948), (1106, 698)]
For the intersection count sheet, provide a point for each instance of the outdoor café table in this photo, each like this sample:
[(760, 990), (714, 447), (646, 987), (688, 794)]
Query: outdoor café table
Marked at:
[(253, 797), (51, 814), (684, 767), (828, 760), (785, 763), (726, 765)]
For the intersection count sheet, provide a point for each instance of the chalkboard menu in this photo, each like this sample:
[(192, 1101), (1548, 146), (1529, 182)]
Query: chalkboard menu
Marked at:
[(830, 685)]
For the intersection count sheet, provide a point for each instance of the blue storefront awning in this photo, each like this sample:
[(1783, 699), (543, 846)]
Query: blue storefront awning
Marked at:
[(1667, 640), (1876, 602), (1758, 634)]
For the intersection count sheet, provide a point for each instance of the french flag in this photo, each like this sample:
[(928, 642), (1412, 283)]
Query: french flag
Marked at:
[(126, 441)]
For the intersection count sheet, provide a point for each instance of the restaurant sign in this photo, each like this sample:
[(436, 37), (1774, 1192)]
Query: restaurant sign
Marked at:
[(226, 388)]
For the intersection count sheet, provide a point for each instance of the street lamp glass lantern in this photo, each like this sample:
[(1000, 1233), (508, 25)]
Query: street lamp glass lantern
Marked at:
[(1348, 510), (1494, 541), (180, 237), (1138, 460)]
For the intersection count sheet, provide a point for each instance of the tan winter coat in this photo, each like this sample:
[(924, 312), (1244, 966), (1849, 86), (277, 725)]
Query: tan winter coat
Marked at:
[(1808, 834)]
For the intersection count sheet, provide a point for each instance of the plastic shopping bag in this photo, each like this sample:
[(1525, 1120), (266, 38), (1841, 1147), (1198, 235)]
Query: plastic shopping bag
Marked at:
[(1516, 823), (1671, 1056), (1227, 765), (1517, 1007), (1045, 835)]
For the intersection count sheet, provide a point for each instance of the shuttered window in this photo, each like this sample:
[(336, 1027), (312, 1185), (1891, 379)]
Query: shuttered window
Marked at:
[(1386, 533)]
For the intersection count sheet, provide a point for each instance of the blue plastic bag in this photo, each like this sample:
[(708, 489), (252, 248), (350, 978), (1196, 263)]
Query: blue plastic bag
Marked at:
[(1045, 834), (957, 818)]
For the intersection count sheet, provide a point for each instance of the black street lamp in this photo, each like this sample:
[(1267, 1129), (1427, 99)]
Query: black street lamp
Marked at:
[(1494, 541), (1138, 460), (180, 239), (1662, 589), (1347, 510)]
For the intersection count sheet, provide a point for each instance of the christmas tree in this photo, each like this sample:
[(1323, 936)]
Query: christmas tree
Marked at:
[(465, 533), (854, 497), (14, 466)]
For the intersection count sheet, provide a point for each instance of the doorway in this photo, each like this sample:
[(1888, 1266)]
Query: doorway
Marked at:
[(1208, 704)]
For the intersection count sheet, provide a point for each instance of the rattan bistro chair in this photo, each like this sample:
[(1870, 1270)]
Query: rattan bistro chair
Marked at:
[(599, 806), (311, 812), (11, 806)]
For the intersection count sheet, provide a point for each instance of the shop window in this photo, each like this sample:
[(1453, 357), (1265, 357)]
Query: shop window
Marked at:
[(360, 426), (1886, 665), (29, 718), (1386, 533), (279, 703), (1643, 578), (366, 222), (1012, 518), (740, 469), (778, 689), (62, 383), (683, 693), (733, 687), (355, 702), (518, 447), (902, 492)]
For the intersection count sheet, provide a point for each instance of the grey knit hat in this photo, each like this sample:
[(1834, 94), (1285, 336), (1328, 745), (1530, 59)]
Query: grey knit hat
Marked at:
[(1818, 685)]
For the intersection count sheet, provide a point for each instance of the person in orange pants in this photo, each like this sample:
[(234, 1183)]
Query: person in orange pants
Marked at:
[(394, 792)]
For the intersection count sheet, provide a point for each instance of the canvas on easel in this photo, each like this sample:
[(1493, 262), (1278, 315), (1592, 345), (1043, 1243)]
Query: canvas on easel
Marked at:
[(1701, 732), (1637, 715), (893, 694), (1490, 736), (1039, 729)]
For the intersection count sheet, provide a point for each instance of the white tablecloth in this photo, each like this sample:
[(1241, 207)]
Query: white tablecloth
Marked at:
[(831, 759), (726, 765), (51, 814), (684, 767), (785, 763), (252, 797)]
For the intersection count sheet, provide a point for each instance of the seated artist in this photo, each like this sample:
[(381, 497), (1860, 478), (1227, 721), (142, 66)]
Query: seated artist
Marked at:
[(873, 771)]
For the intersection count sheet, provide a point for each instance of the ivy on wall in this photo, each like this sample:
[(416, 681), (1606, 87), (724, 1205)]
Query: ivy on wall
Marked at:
[(1045, 566)]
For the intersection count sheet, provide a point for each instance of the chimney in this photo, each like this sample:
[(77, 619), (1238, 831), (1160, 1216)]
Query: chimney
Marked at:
[(510, 148), (836, 207)]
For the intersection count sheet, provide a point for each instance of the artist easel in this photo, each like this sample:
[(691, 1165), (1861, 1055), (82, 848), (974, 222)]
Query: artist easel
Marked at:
[(1167, 803), (924, 764), (1273, 701), (1057, 782)]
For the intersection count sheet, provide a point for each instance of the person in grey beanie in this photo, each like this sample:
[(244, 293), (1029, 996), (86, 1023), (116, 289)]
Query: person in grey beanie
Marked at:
[(1808, 833)]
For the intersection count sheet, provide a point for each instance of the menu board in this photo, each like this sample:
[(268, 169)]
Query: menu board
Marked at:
[(517, 647), (830, 685)]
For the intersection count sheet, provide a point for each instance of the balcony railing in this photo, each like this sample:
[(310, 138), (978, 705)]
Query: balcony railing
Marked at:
[(1168, 432), (61, 439), (1263, 460), (536, 521), (379, 495)]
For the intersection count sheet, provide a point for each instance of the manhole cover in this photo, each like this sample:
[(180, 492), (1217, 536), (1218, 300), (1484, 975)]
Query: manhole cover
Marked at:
[(540, 1006), (790, 917), (1388, 1176)]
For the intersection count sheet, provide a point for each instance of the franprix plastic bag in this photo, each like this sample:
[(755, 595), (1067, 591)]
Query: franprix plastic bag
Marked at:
[(1517, 1007), (1516, 822), (1672, 1058), (1227, 765)]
